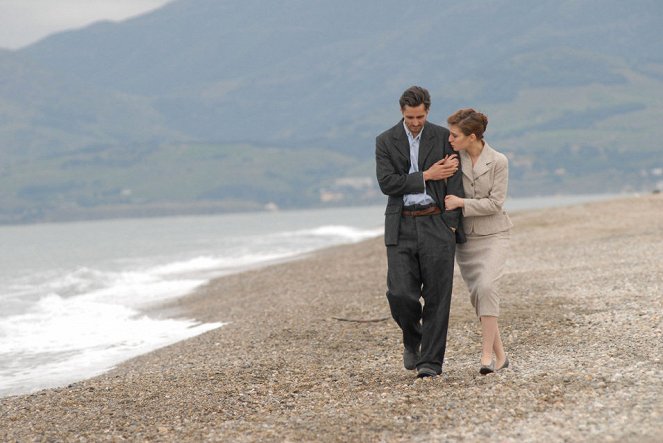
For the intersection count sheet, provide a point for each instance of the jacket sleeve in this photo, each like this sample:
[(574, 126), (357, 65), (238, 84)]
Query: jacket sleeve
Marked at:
[(454, 187), (496, 196), (391, 181)]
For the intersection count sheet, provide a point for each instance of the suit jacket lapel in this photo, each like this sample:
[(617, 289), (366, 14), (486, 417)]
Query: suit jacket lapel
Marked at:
[(401, 142), (426, 144)]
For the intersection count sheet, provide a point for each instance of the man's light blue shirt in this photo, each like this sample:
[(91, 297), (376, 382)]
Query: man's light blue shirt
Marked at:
[(415, 199)]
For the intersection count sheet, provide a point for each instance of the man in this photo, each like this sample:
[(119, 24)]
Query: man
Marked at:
[(413, 159)]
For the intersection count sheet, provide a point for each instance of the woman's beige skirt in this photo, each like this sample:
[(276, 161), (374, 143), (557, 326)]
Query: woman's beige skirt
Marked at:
[(481, 261)]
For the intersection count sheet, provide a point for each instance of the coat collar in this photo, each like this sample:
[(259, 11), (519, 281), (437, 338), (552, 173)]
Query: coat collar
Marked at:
[(426, 142), (483, 165)]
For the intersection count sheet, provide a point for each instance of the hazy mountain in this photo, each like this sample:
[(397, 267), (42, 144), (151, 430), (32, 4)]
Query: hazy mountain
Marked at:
[(43, 108), (217, 69), (573, 90)]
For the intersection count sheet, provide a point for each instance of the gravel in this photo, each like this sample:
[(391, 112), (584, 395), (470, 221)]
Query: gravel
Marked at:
[(582, 322)]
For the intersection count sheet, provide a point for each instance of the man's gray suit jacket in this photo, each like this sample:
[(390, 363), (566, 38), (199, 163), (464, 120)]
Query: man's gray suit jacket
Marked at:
[(392, 155)]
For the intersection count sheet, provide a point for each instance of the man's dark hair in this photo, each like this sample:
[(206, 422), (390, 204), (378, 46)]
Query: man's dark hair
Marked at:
[(415, 96)]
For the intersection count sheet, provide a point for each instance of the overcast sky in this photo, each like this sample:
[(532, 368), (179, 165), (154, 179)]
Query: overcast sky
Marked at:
[(25, 21)]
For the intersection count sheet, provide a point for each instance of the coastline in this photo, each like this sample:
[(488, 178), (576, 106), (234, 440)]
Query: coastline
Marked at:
[(581, 321)]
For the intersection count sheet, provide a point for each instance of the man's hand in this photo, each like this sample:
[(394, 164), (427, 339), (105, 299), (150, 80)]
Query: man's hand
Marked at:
[(442, 169)]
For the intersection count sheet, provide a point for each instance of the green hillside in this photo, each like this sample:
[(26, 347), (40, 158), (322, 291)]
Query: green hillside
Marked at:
[(113, 181)]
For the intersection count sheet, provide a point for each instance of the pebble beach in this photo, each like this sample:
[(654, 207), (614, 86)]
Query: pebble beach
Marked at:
[(309, 352)]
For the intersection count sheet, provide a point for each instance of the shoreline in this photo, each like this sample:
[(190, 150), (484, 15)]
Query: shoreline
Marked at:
[(581, 318), (142, 214)]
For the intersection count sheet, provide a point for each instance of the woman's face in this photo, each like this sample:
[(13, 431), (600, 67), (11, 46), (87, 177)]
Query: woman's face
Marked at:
[(458, 140)]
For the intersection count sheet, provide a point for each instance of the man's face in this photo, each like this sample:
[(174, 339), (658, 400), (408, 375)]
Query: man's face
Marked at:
[(414, 118)]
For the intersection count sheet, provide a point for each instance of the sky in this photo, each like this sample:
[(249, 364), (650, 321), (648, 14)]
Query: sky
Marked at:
[(25, 21)]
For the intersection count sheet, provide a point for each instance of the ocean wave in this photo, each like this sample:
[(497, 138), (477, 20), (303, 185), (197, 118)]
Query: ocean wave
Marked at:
[(336, 232), (57, 324)]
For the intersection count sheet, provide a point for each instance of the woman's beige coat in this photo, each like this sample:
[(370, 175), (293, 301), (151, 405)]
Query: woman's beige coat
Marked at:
[(485, 187), (482, 258)]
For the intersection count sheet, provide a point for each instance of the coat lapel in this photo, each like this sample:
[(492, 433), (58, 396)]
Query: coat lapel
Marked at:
[(484, 162), (401, 142), (425, 146), (466, 164)]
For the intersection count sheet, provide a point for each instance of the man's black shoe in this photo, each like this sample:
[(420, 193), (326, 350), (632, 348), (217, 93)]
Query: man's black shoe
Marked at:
[(410, 359), (426, 372)]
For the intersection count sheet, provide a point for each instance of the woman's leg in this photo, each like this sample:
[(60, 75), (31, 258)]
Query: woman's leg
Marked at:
[(491, 342), (488, 330), (498, 347)]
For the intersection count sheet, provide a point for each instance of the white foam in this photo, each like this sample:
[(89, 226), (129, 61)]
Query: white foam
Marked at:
[(347, 232), (64, 339), (195, 264), (204, 264), (336, 233)]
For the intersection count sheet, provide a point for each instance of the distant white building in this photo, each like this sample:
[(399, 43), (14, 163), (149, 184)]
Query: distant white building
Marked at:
[(348, 189), (354, 182)]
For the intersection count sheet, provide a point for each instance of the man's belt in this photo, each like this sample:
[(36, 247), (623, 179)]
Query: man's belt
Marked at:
[(428, 211)]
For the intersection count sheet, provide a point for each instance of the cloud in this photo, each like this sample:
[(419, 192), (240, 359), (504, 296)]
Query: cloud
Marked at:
[(25, 21)]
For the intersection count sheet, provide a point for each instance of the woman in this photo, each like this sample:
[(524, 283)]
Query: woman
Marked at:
[(487, 226)]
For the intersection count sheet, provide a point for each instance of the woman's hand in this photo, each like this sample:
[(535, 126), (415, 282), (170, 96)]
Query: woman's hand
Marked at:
[(442, 169), (452, 202)]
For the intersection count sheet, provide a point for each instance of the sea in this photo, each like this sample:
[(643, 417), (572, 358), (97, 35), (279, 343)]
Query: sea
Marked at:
[(75, 297)]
